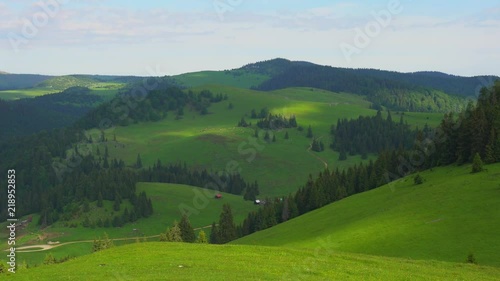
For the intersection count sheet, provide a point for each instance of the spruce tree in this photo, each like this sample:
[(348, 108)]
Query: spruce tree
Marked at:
[(309, 132), (138, 163), (286, 135), (274, 138), (477, 164), (202, 237), (214, 234), (187, 232), (227, 228), (174, 233)]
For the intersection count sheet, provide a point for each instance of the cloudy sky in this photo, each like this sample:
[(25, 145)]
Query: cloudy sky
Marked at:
[(170, 37)]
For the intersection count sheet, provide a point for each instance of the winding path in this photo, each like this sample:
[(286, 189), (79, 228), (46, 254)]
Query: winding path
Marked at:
[(316, 156), (45, 247)]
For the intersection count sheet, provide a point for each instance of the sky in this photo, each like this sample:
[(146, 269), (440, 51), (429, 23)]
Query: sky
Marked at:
[(156, 38)]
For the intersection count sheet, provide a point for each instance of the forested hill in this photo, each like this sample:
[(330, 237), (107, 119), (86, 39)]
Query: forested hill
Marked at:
[(27, 116), (20, 81), (398, 91)]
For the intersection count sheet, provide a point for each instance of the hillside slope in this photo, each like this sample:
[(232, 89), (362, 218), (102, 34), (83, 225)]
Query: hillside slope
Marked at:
[(174, 261), (453, 213)]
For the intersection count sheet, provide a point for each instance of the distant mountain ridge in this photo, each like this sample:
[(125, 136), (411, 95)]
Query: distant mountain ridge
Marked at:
[(20, 81), (450, 84)]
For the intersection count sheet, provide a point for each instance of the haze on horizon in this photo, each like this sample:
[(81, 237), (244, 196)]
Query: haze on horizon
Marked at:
[(156, 38)]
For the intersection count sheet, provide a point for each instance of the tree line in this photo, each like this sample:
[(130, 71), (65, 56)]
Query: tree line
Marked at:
[(179, 173), (371, 134)]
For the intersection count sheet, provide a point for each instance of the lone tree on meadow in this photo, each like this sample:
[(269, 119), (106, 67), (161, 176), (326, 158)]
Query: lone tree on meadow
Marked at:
[(477, 164), (309, 132)]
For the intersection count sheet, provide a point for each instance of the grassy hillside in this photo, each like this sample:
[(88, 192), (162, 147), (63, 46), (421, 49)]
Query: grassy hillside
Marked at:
[(453, 213), (60, 83), (173, 261), (234, 78), (168, 200), (213, 141)]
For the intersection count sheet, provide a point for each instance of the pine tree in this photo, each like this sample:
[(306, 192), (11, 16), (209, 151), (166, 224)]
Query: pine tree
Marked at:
[(138, 163), (286, 135), (187, 232), (477, 164), (274, 138), (174, 233), (309, 132), (227, 228), (214, 235), (202, 237)]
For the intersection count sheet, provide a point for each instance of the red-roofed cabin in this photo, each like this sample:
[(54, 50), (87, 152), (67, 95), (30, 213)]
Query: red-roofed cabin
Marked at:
[(218, 196)]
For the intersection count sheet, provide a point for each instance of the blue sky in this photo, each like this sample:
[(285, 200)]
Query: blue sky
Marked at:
[(172, 37)]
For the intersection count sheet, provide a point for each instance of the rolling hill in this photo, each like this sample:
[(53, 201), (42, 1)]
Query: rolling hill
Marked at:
[(218, 140), (453, 213)]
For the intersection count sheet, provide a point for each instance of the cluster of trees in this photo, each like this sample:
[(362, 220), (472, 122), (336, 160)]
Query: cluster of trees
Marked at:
[(317, 145), (475, 130), (181, 174), (277, 122), (243, 123), (102, 244), (183, 232), (128, 108), (262, 114), (371, 135), (50, 186)]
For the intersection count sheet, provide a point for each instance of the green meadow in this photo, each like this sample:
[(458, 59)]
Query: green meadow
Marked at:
[(215, 142), (452, 214), (174, 261), (239, 79)]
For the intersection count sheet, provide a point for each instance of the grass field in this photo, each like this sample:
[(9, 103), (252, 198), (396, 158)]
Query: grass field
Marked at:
[(453, 213), (239, 79), (174, 261), (168, 201), (213, 141)]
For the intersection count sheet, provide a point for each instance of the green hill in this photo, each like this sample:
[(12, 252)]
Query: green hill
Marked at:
[(453, 213), (234, 78), (214, 140), (174, 261)]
